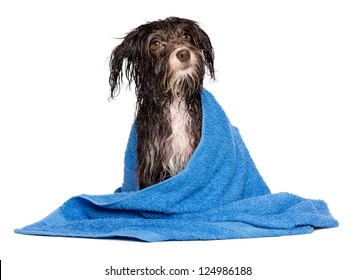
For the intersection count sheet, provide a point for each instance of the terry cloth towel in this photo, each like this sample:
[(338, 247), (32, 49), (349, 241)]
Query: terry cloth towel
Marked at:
[(219, 195)]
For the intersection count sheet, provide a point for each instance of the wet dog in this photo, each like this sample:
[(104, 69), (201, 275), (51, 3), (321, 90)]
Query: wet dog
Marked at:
[(166, 60)]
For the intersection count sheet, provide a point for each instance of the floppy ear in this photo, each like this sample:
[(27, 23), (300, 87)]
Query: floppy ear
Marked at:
[(208, 53), (123, 52), (205, 46)]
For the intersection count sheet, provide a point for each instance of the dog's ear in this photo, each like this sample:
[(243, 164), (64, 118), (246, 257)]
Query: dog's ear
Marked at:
[(203, 42), (122, 61)]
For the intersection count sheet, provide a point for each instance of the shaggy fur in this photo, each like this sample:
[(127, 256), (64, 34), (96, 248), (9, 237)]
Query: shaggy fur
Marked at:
[(166, 61)]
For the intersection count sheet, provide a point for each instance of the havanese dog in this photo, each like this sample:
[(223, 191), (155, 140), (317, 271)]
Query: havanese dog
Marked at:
[(166, 60)]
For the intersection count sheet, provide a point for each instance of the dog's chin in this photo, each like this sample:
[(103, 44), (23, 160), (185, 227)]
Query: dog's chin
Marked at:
[(184, 79), (186, 71), (183, 82)]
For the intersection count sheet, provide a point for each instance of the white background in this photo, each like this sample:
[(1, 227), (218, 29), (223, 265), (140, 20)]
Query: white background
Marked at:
[(285, 76)]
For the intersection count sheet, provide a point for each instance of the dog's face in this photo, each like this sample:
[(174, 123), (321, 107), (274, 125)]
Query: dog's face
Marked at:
[(163, 57)]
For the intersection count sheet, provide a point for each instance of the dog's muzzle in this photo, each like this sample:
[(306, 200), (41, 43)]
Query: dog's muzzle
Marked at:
[(183, 59)]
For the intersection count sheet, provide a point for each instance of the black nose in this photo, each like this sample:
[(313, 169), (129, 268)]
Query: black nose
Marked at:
[(183, 55)]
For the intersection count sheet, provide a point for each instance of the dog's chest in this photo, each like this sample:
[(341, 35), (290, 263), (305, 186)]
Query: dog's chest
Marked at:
[(180, 148)]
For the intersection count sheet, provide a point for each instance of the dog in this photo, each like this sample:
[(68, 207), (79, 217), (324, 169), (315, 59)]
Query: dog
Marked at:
[(167, 61)]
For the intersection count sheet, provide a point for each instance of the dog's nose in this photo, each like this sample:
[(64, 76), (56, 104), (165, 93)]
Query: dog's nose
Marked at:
[(183, 55)]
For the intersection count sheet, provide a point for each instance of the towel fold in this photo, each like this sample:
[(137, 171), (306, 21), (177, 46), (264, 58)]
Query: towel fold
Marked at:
[(219, 195)]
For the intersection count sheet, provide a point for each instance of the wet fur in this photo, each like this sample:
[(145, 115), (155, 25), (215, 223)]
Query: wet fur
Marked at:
[(166, 61)]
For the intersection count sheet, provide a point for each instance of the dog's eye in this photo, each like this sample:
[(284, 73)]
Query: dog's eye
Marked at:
[(186, 37), (155, 45)]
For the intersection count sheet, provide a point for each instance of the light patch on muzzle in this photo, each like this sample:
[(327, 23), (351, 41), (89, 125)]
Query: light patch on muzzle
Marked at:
[(184, 77)]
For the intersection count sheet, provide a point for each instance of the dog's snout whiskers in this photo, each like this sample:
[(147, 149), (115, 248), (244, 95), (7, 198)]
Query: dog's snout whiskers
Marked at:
[(183, 55)]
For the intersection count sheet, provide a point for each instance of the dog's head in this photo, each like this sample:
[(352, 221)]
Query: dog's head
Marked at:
[(166, 57)]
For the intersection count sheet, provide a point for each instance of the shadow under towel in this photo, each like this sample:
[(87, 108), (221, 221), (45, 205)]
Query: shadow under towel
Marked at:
[(219, 195)]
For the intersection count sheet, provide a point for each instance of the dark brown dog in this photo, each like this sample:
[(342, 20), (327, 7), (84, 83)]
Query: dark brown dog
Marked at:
[(166, 60)]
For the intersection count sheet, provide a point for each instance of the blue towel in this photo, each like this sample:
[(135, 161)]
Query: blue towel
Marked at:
[(219, 195)]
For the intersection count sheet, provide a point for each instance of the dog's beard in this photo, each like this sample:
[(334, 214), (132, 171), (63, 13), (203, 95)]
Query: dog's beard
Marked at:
[(182, 79)]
